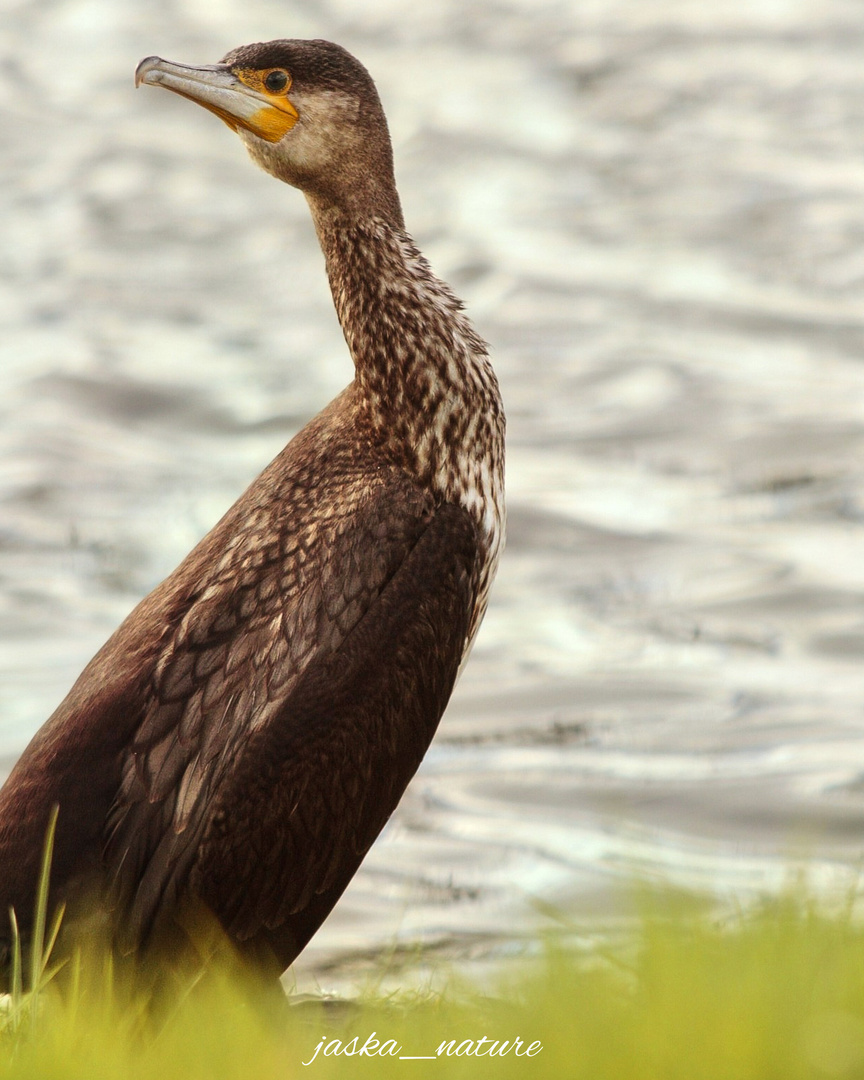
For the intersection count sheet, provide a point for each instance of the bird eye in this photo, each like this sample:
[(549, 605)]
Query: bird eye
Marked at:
[(276, 81)]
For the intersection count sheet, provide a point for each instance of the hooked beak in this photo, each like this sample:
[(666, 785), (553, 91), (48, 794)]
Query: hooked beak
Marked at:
[(218, 89)]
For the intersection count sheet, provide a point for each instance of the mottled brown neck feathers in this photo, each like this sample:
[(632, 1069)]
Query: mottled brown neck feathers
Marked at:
[(423, 371), (426, 386)]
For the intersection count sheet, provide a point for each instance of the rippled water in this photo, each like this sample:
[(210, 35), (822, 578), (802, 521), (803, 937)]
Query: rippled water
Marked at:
[(655, 212)]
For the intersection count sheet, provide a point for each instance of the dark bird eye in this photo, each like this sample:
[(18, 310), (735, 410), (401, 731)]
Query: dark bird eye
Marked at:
[(276, 80)]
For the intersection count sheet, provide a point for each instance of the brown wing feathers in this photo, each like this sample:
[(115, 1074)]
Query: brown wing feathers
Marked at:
[(353, 735), (218, 694)]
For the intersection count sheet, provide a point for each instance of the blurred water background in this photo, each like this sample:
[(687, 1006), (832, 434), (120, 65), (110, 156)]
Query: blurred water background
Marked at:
[(654, 210)]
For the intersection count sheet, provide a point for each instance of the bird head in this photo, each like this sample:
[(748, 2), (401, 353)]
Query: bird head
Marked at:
[(308, 112)]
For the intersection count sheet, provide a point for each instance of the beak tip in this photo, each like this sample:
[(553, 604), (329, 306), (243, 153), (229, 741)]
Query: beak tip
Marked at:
[(148, 66)]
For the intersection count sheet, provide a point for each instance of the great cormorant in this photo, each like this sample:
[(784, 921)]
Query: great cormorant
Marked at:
[(241, 739)]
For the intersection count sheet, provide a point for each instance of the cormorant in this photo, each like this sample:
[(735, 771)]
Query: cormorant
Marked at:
[(243, 737)]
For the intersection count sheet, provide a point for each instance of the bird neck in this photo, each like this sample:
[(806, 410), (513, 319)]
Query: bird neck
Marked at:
[(423, 374)]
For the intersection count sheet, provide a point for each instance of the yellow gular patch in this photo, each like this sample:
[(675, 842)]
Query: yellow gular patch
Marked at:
[(271, 123)]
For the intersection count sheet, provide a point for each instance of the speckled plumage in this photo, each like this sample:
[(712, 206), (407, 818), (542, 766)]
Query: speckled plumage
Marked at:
[(242, 738), (427, 387)]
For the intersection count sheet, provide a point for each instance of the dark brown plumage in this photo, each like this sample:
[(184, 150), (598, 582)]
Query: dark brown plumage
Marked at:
[(242, 738)]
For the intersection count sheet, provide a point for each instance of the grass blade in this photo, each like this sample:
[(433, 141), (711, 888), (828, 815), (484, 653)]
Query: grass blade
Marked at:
[(16, 983), (38, 957)]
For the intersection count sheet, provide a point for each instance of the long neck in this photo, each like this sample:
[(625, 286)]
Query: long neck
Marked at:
[(423, 373)]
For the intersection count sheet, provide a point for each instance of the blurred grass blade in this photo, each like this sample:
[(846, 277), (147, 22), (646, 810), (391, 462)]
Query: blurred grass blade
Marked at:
[(16, 982), (38, 956)]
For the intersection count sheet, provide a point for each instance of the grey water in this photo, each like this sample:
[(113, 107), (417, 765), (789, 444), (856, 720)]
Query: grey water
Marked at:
[(654, 211)]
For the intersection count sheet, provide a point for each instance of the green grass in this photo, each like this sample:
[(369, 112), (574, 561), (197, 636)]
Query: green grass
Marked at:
[(774, 993)]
